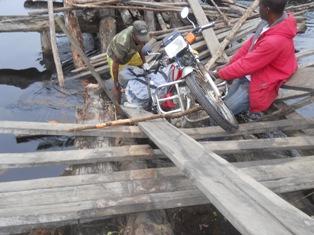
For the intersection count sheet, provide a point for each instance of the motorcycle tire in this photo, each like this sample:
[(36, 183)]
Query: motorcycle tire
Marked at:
[(217, 110)]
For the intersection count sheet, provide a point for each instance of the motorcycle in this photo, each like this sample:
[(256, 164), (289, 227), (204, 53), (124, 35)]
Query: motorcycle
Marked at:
[(187, 71)]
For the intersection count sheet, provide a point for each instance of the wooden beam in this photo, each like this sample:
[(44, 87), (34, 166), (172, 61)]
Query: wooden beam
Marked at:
[(23, 23), (19, 23), (134, 152), (83, 156), (208, 34), (40, 128), (248, 205), (55, 51), (270, 144), (269, 172), (72, 23), (302, 78)]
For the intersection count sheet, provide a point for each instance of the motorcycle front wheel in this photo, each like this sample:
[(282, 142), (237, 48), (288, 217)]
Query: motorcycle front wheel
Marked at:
[(216, 109)]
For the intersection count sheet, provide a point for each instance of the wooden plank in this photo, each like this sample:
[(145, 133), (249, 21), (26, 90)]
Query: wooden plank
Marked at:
[(96, 209), (23, 23), (40, 128), (20, 23), (108, 190), (263, 170), (79, 180), (302, 78), (208, 34), (239, 146), (83, 156), (248, 128), (134, 152), (67, 212), (248, 205)]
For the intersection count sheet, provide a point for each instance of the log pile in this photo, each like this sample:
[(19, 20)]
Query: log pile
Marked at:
[(161, 20)]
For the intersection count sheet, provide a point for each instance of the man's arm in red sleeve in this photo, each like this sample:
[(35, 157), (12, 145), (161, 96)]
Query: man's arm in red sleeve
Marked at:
[(253, 61)]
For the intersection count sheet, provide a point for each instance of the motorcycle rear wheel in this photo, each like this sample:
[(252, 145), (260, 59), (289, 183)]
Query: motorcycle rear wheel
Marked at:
[(216, 109)]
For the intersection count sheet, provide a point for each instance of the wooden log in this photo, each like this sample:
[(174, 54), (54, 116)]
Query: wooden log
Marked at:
[(175, 20), (161, 22), (107, 29), (136, 14), (251, 198), (94, 109), (73, 26), (126, 17), (149, 18), (54, 46), (45, 42), (225, 18)]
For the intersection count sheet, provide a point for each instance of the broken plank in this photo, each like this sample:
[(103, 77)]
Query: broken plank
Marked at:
[(248, 205)]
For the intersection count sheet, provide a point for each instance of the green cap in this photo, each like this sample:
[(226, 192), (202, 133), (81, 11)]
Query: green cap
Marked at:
[(140, 30)]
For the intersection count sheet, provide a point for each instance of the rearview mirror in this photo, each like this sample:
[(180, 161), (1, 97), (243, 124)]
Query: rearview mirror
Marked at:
[(184, 12)]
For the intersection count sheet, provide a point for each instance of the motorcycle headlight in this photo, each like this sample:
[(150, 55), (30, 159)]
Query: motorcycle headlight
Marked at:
[(175, 46)]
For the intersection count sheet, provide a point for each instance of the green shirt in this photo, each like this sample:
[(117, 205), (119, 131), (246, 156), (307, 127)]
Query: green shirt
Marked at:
[(122, 47)]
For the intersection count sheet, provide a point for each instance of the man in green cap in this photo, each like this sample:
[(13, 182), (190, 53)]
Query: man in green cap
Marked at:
[(125, 49)]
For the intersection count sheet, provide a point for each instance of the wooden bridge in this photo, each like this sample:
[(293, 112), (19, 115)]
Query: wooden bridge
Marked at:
[(202, 172), (200, 176)]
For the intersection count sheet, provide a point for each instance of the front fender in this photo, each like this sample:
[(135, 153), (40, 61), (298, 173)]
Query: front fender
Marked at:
[(187, 70)]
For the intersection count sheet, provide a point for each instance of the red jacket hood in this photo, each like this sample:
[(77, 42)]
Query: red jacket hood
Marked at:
[(286, 28)]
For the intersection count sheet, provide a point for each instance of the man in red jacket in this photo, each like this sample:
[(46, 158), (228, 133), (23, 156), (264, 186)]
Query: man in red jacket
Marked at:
[(264, 62)]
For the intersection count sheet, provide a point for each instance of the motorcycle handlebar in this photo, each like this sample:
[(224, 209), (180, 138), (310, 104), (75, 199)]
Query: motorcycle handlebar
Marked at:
[(199, 29), (207, 26)]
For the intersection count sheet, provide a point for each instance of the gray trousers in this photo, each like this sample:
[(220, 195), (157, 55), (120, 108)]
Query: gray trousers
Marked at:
[(237, 99)]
